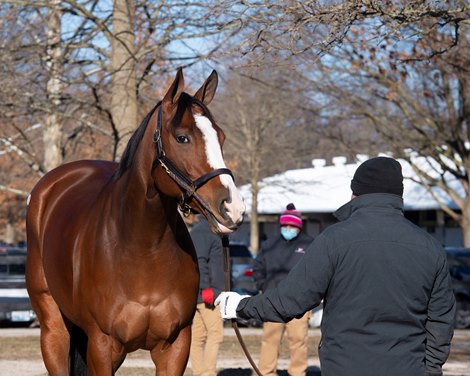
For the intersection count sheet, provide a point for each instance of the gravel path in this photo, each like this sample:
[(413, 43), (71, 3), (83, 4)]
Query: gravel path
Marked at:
[(235, 365)]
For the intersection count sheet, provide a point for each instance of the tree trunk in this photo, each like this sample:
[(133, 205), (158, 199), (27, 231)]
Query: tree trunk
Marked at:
[(52, 133), (466, 232), (465, 114), (254, 225), (124, 89), (465, 222), (10, 233)]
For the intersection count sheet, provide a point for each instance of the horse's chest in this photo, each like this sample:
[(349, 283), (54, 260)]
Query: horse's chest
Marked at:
[(146, 302), (143, 326)]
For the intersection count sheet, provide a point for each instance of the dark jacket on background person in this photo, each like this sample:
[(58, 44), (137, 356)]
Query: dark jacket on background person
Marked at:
[(388, 301), (276, 258), (210, 258)]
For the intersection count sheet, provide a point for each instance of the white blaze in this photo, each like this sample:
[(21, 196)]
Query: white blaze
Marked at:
[(214, 158), (213, 150)]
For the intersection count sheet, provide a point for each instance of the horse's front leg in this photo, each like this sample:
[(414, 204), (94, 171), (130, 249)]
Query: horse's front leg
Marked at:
[(55, 338), (172, 360), (104, 354)]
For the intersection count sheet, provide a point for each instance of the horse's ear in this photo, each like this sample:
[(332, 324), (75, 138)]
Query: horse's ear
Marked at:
[(206, 93), (173, 94)]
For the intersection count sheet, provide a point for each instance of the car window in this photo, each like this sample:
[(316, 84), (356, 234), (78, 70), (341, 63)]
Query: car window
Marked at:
[(459, 263), (239, 250), (12, 262)]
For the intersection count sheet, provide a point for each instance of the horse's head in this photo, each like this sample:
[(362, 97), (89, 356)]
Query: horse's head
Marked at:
[(189, 161)]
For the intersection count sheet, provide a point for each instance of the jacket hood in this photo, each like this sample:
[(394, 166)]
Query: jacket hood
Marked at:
[(372, 200)]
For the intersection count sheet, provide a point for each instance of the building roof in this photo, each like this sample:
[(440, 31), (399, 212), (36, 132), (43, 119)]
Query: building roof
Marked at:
[(323, 189)]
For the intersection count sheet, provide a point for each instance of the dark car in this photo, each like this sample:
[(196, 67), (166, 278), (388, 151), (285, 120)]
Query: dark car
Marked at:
[(15, 306), (459, 268), (241, 262)]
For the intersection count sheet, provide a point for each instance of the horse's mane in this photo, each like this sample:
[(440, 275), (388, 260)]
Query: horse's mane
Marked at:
[(131, 147)]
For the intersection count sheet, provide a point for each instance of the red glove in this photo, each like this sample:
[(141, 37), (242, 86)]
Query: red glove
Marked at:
[(208, 296)]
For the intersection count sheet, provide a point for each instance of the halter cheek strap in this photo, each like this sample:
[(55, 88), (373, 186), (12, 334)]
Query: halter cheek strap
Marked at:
[(189, 187)]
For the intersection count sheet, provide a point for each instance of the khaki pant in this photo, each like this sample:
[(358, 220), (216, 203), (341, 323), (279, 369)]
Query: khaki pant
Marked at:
[(207, 333), (297, 333)]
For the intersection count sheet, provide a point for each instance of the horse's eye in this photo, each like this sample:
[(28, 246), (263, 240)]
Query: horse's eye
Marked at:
[(182, 139)]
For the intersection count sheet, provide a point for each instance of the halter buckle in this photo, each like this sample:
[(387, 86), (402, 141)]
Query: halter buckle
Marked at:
[(157, 135), (165, 167)]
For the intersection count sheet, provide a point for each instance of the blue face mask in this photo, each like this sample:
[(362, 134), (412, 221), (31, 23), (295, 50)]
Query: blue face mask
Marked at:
[(288, 233)]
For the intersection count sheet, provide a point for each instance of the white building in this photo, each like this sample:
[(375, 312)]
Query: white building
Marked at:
[(318, 191)]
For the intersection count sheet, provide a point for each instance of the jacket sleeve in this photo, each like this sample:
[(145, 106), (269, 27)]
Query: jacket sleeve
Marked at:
[(302, 289), (216, 265), (202, 250), (440, 321), (259, 270)]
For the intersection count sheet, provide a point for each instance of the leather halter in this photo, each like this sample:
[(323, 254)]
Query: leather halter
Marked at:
[(189, 187)]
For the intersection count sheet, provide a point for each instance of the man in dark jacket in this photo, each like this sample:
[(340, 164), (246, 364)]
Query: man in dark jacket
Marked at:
[(207, 329), (388, 301), (272, 264)]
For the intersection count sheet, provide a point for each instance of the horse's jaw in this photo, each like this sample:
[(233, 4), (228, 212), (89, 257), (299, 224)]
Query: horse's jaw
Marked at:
[(222, 228)]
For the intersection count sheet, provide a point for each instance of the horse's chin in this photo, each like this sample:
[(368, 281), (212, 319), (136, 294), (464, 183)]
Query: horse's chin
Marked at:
[(219, 228), (222, 230)]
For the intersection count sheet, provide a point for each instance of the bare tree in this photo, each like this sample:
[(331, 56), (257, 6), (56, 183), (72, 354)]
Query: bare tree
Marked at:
[(90, 76), (52, 133), (416, 101), (76, 73), (265, 128), (124, 77), (143, 40), (385, 74), (295, 27)]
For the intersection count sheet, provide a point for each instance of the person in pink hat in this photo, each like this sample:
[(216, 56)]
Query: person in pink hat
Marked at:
[(276, 258)]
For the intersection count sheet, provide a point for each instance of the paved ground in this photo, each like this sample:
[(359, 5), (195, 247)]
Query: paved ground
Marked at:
[(234, 365)]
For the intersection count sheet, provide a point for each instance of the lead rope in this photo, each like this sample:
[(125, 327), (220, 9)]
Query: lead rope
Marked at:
[(225, 245)]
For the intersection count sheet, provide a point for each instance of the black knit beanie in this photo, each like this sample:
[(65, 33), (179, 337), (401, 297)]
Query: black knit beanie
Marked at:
[(378, 175)]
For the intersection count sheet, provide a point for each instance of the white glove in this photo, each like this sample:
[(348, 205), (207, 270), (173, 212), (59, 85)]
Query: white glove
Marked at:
[(228, 302)]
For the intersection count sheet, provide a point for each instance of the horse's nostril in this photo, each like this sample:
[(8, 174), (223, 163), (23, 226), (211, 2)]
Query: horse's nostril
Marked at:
[(223, 208)]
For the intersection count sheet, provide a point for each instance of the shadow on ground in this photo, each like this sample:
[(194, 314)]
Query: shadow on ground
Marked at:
[(311, 371)]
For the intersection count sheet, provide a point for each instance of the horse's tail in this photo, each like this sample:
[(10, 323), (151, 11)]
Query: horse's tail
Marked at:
[(78, 346)]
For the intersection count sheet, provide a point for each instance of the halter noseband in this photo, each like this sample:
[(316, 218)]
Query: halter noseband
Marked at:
[(188, 186)]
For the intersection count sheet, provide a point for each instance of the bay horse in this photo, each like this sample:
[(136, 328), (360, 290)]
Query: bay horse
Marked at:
[(111, 267)]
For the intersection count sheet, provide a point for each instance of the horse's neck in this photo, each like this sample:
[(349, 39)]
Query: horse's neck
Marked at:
[(143, 206), (144, 214)]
